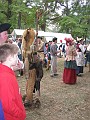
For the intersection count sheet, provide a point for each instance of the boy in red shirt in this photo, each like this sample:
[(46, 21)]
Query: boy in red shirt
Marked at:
[(9, 90)]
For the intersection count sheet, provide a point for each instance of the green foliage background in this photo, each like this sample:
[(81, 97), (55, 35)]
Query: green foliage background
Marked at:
[(73, 18)]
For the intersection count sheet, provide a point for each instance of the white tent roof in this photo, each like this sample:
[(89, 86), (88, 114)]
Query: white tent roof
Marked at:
[(47, 35), (17, 32), (60, 36), (21, 31)]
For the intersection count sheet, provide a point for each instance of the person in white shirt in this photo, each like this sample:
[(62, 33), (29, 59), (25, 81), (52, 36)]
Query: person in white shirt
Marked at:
[(82, 49)]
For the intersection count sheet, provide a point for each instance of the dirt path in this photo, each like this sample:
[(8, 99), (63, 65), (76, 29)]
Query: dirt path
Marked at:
[(60, 101)]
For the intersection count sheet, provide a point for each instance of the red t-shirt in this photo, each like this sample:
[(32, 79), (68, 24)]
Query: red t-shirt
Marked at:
[(10, 95)]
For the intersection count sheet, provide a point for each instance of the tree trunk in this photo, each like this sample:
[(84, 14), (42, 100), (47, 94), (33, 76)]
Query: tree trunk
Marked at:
[(19, 20), (9, 10)]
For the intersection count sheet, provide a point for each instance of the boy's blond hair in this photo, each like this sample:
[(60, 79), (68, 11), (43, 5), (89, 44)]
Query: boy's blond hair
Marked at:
[(7, 49)]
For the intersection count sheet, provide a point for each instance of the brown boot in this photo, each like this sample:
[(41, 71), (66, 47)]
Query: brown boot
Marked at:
[(48, 65)]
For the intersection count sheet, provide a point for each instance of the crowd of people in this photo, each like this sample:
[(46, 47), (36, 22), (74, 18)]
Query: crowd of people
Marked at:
[(76, 54)]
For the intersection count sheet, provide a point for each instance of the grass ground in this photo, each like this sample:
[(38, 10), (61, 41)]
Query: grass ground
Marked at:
[(60, 101)]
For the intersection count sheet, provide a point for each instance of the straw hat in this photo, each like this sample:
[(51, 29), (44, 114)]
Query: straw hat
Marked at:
[(79, 39)]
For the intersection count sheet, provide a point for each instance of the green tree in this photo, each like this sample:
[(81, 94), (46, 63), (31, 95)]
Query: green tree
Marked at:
[(74, 16), (17, 13)]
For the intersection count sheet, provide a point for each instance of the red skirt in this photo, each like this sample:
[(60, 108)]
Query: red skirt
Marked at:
[(69, 76)]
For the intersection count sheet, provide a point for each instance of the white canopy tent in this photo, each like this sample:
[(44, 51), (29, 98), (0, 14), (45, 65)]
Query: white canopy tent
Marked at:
[(48, 35), (19, 32), (60, 36)]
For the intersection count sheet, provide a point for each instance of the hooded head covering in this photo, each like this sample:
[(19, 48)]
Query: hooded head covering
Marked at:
[(4, 27), (69, 41)]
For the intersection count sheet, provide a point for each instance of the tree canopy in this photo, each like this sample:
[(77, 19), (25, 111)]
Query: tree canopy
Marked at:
[(64, 16)]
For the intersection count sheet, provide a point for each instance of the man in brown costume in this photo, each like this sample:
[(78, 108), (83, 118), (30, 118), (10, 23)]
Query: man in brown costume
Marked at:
[(33, 67)]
